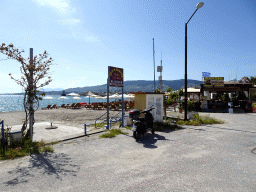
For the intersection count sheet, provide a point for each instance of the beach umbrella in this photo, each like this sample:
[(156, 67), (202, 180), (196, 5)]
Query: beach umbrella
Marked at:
[(129, 96), (73, 94), (62, 97), (75, 98), (90, 94), (48, 98), (114, 96)]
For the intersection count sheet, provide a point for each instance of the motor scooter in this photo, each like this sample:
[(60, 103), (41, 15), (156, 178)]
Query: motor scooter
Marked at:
[(141, 125)]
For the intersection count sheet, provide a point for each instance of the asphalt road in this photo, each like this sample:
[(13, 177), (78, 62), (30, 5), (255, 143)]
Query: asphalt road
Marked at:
[(204, 158)]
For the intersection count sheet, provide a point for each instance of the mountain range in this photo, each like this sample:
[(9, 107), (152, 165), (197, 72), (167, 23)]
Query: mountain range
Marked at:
[(131, 86)]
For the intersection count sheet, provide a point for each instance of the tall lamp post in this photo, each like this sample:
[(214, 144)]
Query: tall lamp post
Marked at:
[(198, 6)]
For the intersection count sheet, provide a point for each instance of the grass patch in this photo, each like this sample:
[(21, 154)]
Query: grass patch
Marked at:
[(101, 125), (112, 133), (197, 121), (128, 127), (23, 148), (48, 149)]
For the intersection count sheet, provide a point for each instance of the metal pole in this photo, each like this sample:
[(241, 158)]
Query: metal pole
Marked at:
[(107, 103), (154, 65), (185, 104), (122, 106)]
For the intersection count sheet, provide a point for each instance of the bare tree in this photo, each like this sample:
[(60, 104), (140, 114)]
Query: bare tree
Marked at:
[(32, 72)]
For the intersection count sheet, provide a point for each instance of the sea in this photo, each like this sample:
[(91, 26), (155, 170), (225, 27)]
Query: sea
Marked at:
[(10, 103)]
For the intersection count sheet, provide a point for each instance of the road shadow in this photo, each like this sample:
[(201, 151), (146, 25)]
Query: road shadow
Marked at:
[(57, 165), (149, 140), (169, 129)]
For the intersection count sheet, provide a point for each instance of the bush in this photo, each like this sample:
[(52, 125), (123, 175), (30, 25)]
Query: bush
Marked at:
[(197, 121), (24, 147)]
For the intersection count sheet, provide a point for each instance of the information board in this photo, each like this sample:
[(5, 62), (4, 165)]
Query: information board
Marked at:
[(115, 76), (214, 82)]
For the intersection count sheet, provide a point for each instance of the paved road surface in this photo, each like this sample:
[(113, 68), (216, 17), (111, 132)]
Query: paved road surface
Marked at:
[(205, 158)]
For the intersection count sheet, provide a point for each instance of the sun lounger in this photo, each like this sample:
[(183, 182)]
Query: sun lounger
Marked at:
[(77, 106), (48, 107), (88, 106), (99, 107), (54, 107), (62, 106), (72, 106), (67, 106)]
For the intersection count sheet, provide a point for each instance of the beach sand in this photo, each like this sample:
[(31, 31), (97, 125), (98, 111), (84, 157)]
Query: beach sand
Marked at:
[(69, 117)]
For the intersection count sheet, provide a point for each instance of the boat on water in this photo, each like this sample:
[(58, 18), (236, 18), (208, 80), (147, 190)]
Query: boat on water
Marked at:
[(63, 93)]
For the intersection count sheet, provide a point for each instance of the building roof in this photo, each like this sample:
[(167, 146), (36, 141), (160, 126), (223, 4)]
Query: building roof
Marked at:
[(192, 90)]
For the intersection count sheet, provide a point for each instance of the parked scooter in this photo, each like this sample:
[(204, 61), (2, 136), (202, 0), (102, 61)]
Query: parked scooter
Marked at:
[(141, 125)]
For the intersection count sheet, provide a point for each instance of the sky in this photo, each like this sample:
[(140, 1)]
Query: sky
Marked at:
[(85, 37)]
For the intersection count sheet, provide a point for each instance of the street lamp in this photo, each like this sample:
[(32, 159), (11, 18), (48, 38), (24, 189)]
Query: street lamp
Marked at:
[(198, 6)]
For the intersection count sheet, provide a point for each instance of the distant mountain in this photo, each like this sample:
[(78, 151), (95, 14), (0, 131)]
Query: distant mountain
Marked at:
[(51, 89), (133, 86)]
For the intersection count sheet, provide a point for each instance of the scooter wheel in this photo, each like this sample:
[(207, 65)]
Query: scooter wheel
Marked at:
[(152, 130), (136, 135)]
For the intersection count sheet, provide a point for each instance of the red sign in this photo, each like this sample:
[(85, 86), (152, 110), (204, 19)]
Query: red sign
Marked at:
[(115, 76)]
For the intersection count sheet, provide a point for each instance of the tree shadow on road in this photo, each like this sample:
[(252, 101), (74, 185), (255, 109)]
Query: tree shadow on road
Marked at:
[(57, 165), (149, 140)]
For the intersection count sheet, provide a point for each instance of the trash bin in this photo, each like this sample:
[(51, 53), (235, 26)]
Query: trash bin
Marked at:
[(127, 120), (15, 136)]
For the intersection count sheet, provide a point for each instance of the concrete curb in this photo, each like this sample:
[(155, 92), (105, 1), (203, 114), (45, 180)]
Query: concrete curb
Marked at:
[(75, 136)]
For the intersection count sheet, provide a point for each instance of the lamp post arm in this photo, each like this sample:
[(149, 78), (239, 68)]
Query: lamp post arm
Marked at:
[(192, 15)]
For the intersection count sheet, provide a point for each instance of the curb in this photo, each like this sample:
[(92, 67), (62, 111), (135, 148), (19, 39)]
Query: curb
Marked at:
[(66, 138)]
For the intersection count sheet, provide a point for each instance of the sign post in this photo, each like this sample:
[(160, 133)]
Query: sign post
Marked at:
[(115, 79)]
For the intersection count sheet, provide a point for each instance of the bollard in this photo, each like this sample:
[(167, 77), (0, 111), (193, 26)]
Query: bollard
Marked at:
[(85, 129)]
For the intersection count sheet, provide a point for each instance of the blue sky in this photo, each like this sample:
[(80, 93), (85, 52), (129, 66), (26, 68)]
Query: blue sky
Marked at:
[(85, 37)]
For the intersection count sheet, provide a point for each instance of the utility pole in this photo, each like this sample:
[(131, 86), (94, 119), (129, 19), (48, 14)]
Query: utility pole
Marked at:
[(160, 79), (154, 65)]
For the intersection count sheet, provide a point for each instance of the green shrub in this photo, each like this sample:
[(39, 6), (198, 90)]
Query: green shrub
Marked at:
[(24, 147), (197, 121)]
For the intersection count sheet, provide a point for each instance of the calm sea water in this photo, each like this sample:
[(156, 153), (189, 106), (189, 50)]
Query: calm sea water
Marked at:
[(15, 102)]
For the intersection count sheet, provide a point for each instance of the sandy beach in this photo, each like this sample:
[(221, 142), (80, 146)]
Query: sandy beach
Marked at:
[(70, 117)]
